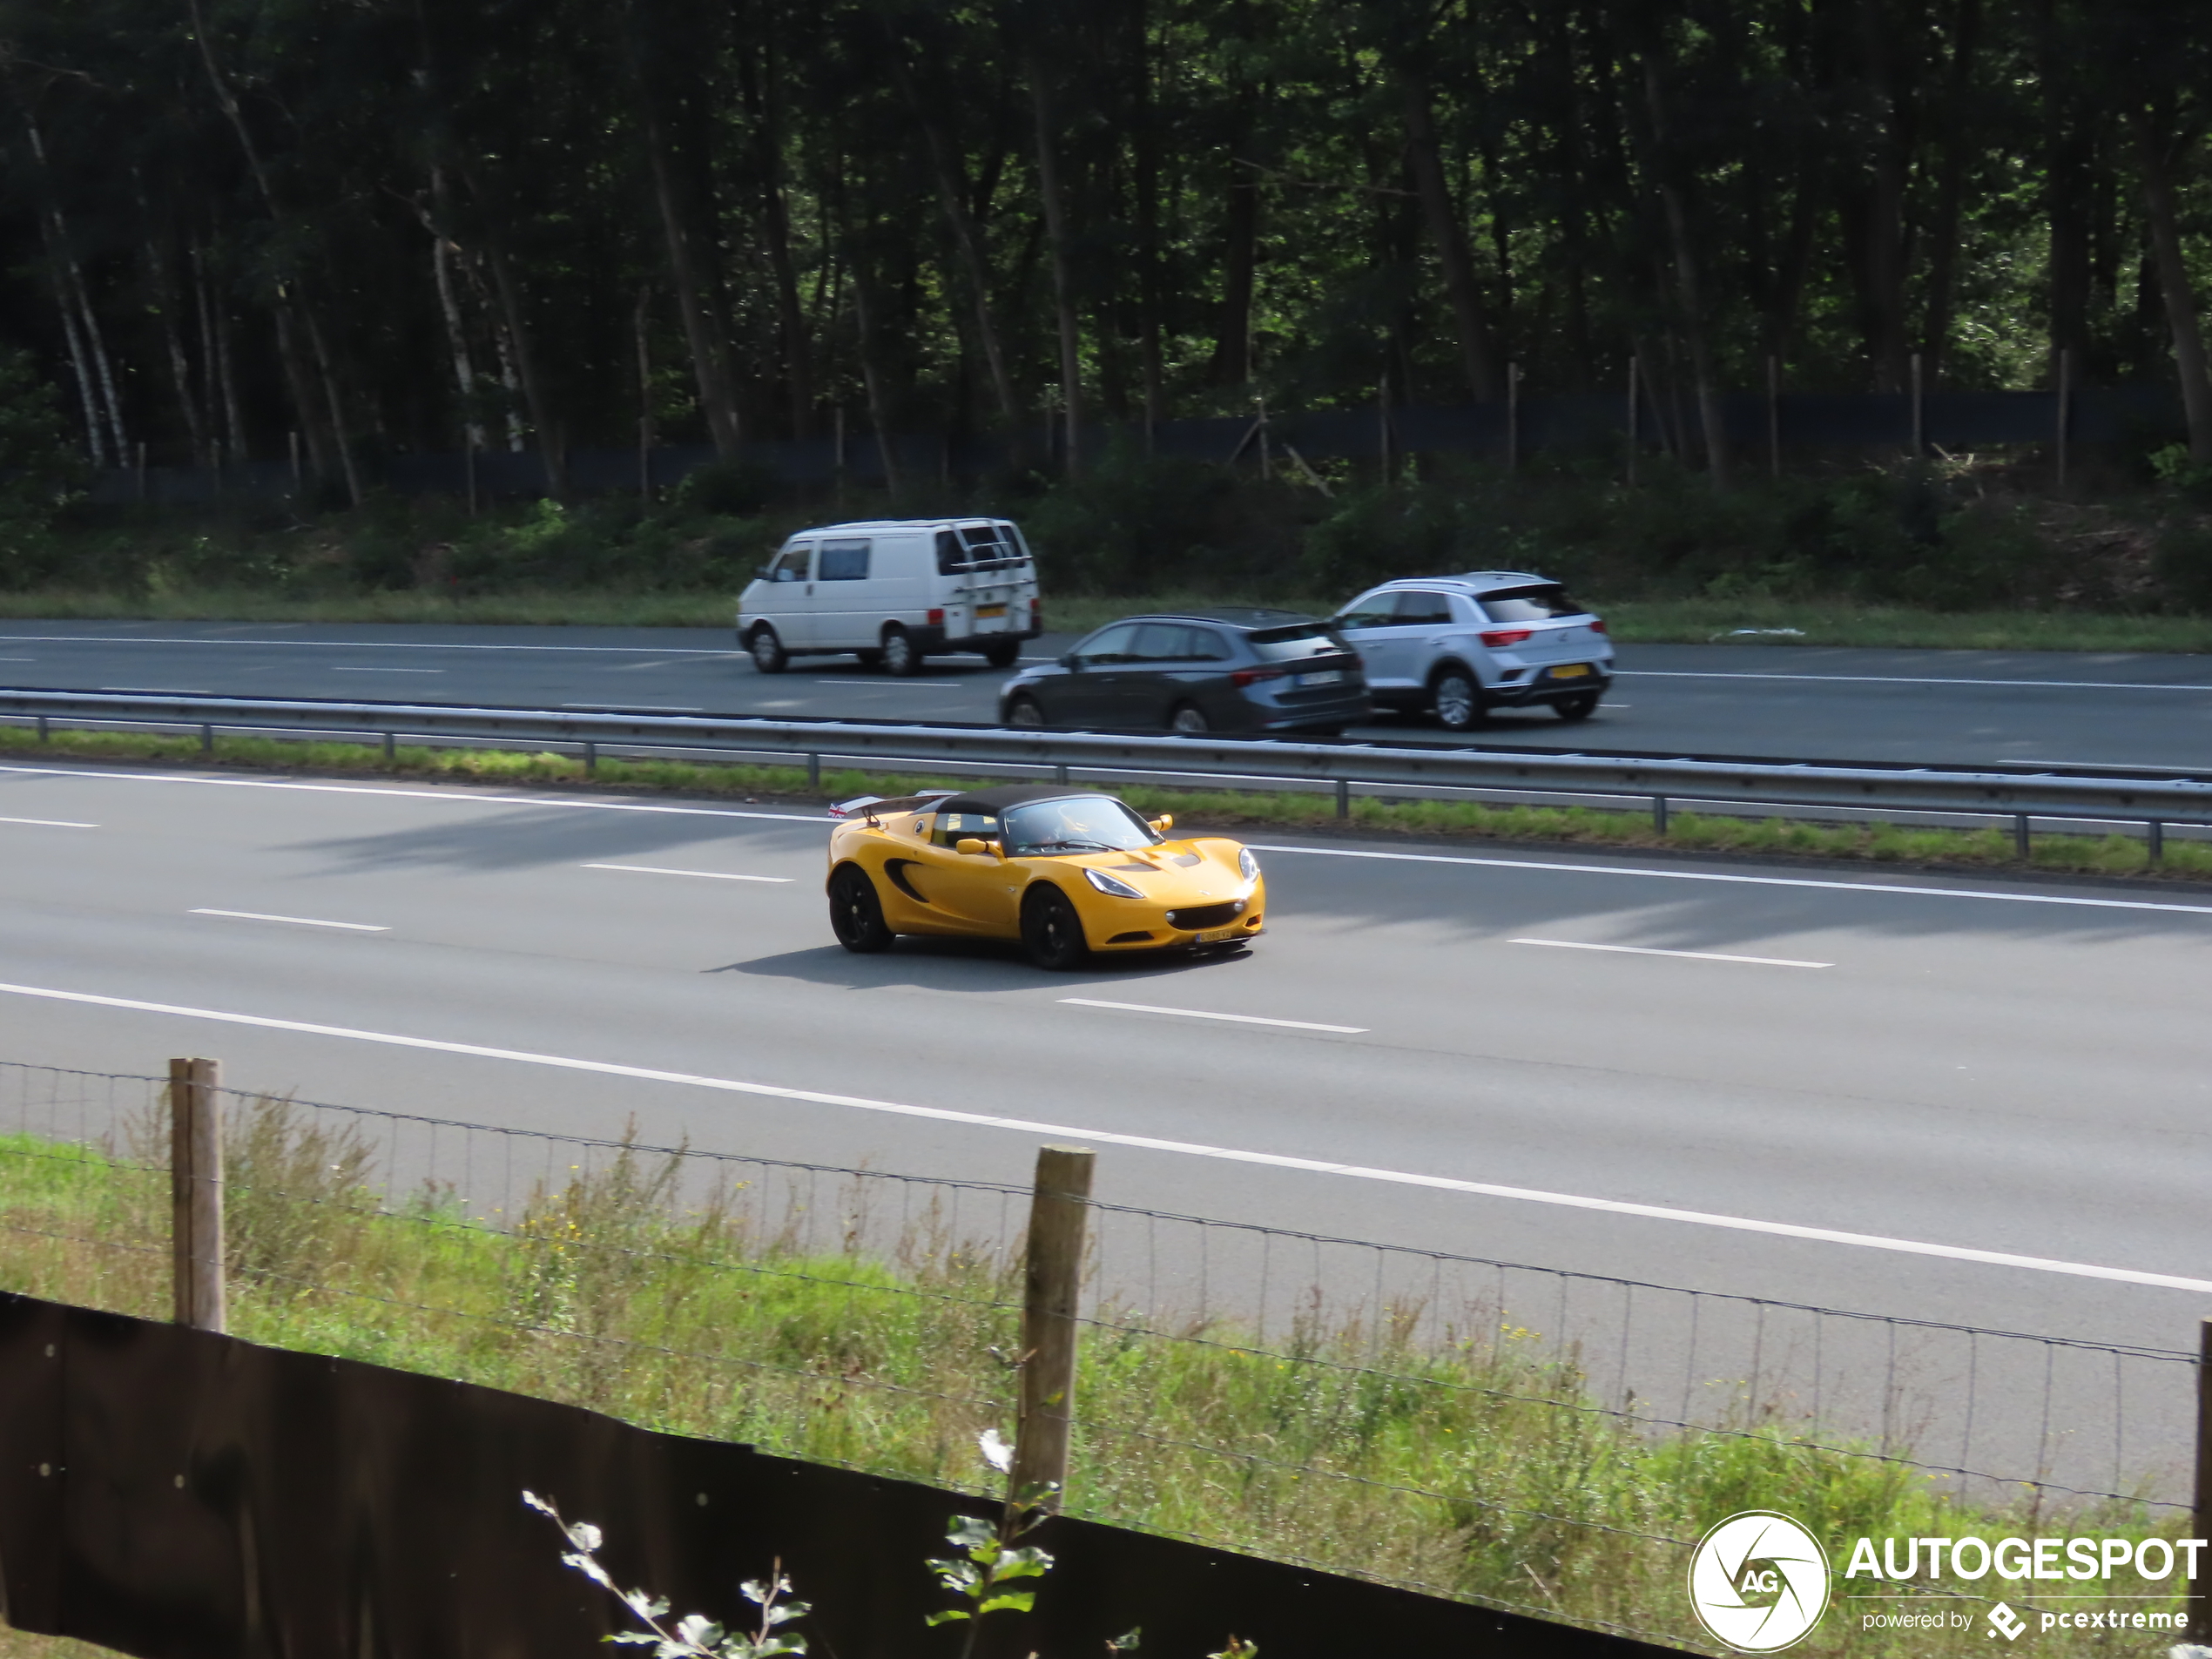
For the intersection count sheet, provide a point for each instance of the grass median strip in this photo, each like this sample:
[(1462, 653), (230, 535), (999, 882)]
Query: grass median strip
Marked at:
[(1230, 810)]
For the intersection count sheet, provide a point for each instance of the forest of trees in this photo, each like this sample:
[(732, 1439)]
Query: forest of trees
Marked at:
[(403, 225)]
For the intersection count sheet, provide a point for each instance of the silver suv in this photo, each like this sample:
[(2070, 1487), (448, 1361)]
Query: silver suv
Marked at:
[(1458, 646)]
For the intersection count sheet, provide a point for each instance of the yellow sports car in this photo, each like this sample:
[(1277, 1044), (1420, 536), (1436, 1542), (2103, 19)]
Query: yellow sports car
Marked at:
[(1065, 871)]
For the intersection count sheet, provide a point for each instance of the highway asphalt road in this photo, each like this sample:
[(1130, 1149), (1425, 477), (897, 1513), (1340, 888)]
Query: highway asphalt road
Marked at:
[(1959, 707), (1950, 1071)]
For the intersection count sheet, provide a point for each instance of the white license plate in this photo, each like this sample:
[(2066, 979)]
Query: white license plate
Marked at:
[(1323, 677), (990, 611)]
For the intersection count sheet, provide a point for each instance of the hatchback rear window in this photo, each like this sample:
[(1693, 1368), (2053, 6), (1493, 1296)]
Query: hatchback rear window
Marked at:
[(1529, 604), (1295, 639)]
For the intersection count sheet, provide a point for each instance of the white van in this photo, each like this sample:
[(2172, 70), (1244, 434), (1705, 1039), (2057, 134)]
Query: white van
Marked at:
[(892, 591)]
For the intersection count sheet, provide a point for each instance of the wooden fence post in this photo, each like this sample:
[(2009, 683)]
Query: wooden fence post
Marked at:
[(1059, 1210), (196, 1191), (2201, 1507)]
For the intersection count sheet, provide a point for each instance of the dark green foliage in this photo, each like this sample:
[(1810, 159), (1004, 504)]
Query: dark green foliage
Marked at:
[(734, 488), (39, 472)]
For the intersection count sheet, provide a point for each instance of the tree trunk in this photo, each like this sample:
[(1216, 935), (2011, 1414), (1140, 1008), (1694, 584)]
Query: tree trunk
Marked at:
[(1445, 230), (1882, 239), (1943, 238), (165, 292), (1689, 286), (799, 364), (548, 433), (699, 332), (1063, 278), (2174, 280), (464, 371)]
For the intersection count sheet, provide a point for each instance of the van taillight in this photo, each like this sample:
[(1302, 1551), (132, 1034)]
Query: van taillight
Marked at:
[(1253, 675), (936, 619), (1504, 636)]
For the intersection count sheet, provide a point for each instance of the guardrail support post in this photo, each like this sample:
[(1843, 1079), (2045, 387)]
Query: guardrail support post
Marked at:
[(196, 1191), (2019, 836), (813, 771), (207, 739), (591, 755), (1659, 814), (391, 747), (43, 735), (1060, 774), (1059, 1209), (2155, 841), (2201, 1508), (1344, 798)]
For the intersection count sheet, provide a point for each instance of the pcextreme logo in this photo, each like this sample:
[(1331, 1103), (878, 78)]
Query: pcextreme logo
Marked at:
[(1759, 1581)]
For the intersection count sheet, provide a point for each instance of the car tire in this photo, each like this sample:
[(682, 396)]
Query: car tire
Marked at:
[(1189, 720), (769, 656), (1004, 655), (901, 656), (1458, 699), (1024, 711), (1579, 706), (856, 914), (1051, 931)]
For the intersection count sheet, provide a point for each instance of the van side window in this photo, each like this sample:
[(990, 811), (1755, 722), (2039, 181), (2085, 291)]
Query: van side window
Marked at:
[(844, 561), (790, 564), (951, 555)]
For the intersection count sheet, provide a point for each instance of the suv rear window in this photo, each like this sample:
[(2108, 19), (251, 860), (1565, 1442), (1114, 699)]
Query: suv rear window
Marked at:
[(1296, 639), (1528, 605)]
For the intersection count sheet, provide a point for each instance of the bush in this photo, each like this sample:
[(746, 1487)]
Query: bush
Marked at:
[(41, 471)]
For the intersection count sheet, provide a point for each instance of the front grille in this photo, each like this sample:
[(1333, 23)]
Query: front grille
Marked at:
[(1206, 915)]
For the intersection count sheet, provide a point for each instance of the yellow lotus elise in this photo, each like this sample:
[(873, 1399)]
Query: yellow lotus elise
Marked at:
[(1065, 871)]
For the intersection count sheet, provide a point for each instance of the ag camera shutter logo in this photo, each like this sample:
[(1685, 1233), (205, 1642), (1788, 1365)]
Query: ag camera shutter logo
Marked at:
[(1759, 1581)]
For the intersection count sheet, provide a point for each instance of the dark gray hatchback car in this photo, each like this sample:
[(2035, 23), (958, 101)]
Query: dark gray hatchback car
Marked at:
[(1240, 669)]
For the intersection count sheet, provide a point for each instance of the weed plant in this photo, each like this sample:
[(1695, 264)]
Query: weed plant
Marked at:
[(2113, 854), (1473, 1461)]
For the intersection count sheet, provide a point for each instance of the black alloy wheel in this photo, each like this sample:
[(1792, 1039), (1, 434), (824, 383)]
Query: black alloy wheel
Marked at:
[(1579, 706), (1024, 711), (856, 914), (900, 656), (1051, 931), (768, 653), (1003, 654), (1458, 699)]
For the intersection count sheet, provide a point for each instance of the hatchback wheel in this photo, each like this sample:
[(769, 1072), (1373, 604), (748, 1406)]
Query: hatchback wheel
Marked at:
[(1189, 719), (1024, 711), (1579, 706), (768, 653), (856, 914), (1459, 700), (899, 655), (1051, 931)]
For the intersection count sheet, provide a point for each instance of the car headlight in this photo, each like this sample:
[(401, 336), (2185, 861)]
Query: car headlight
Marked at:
[(1247, 865), (1114, 885)]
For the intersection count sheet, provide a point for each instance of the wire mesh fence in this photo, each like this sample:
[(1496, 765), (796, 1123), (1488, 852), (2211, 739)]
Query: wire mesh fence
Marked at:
[(1541, 1440)]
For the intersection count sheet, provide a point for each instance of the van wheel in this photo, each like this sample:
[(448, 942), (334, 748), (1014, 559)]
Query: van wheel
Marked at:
[(900, 655), (1004, 655), (768, 653), (869, 659)]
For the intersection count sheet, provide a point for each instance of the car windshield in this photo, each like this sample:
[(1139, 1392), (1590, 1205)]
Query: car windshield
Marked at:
[(1076, 824), (1528, 605)]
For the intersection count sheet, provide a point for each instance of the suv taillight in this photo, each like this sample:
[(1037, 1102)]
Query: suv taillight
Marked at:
[(1504, 636), (1243, 677)]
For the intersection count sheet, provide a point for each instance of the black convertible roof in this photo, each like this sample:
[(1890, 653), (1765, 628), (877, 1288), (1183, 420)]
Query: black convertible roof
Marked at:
[(989, 803)]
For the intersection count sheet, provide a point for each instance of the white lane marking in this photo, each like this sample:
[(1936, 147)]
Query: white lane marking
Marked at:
[(709, 875), (640, 708), (1199, 1014), (18, 659), (348, 645), (1905, 679), (381, 669), (1144, 1142), (153, 691), (1647, 950), (1746, 881), (458, 795), (297, 921), (911, 686), (50, 823)]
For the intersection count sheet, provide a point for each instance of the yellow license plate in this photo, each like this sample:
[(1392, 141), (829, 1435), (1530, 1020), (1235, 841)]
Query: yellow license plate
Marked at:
[(990, 611), (1215, 937), (1571, 670)]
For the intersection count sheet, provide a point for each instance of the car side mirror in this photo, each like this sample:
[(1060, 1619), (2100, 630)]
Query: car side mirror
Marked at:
[(1163, 823), (1069, 659), (972, 846)]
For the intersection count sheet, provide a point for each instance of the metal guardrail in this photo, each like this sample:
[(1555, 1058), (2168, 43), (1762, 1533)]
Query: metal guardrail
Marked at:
[(2016, 791)]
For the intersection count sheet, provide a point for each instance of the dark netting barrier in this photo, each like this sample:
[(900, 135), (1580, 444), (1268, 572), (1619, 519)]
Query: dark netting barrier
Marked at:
[(173, 1494)]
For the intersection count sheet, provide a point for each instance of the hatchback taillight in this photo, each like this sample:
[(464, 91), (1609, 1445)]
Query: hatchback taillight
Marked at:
[(1504, 636), (1597, 625), (1252, 676)]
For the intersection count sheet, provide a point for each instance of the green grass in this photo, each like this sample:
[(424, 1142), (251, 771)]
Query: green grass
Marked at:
[(1820, 622), (1476, 1463), (1220, 809)]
